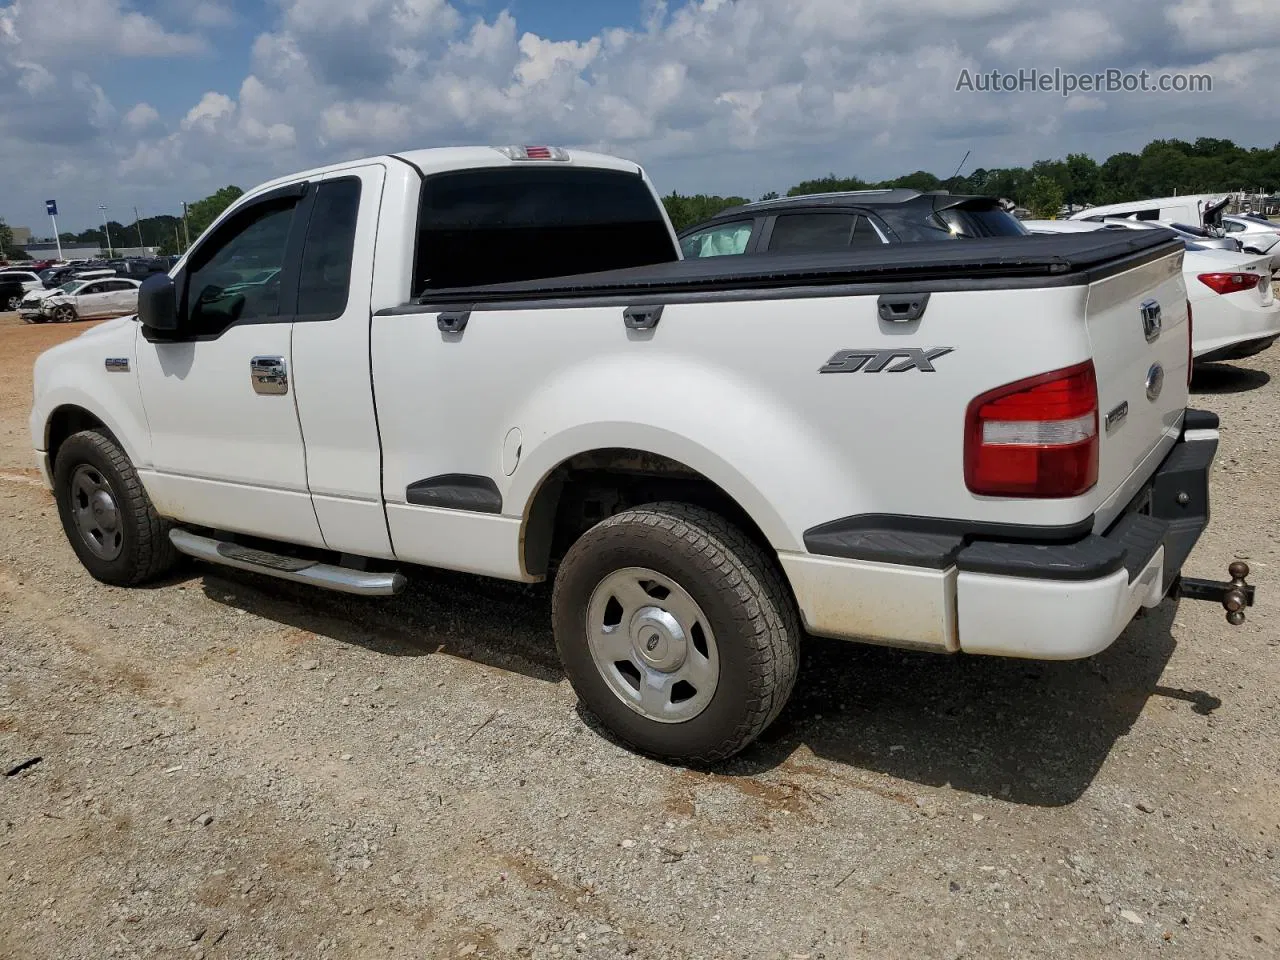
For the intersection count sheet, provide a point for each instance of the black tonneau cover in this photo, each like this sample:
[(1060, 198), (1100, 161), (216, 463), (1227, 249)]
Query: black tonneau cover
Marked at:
[(1058, 256)]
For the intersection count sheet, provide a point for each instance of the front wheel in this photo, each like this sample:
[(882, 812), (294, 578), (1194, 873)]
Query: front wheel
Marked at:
[(106, 513), (64, 314), (676, 631)]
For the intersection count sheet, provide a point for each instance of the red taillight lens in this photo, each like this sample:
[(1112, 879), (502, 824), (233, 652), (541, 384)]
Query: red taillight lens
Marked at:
[(1191, 343), (1225, 283), (1035, 438)]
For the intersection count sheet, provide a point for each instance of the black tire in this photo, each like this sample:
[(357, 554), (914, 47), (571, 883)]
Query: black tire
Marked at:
[(739, 589), (64, 314), (12, 303), (145, 552)]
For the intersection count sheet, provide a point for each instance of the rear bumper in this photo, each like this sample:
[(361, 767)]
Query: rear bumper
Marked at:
[(1048, 595)]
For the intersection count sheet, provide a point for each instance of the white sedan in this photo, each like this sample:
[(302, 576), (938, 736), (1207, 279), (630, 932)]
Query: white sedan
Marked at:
[(84, 300), (1234, 310), (1256, 235), (1233, 307)]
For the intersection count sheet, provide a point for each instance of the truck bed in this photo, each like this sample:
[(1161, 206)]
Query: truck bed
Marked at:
[(999, 262)]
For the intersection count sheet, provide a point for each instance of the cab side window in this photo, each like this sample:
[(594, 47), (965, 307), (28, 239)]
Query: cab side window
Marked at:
[(325, 280), (236, 276)]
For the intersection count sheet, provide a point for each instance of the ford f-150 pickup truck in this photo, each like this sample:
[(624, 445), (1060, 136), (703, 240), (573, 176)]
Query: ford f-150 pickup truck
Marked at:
[(494, 360)]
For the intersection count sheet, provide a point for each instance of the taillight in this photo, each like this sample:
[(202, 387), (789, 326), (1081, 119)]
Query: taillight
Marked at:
[(1035, 438), (1225, 283), (1191, 343)]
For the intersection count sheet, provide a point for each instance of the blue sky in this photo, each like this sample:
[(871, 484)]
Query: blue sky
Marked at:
[(152, 102)]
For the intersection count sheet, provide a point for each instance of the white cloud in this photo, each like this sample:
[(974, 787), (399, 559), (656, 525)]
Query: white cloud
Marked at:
[(56, 31), (141, 116)]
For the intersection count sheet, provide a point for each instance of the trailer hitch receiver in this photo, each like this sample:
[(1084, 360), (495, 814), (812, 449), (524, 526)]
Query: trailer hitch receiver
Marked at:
[(1234, 594)]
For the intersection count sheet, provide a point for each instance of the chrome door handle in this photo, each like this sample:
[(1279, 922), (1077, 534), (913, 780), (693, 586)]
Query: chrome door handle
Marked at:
[(269, 375)]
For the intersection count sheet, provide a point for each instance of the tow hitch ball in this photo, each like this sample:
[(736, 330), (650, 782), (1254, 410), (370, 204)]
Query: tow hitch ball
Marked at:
[(1234, 595)]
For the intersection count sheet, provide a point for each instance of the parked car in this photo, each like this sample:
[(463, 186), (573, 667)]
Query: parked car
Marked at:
[(84, 300), (30, 307), (1190, 233), (848, 220), (978, 446), (1235, 313), (1203, 210), (1255, 235), (11, 294), (29, 279)]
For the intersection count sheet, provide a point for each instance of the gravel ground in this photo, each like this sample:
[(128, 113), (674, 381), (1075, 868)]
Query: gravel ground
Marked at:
[(234, 767)]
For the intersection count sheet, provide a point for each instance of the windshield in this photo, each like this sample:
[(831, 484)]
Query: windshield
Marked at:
[(71, 286)]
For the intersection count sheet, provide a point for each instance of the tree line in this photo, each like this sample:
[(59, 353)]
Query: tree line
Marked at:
[(1163, 168)]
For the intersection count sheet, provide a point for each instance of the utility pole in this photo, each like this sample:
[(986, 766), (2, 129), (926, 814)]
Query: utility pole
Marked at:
[(137, 222), (106, 226), (186, 225)]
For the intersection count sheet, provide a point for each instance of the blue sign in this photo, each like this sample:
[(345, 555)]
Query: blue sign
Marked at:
[(51, 207)]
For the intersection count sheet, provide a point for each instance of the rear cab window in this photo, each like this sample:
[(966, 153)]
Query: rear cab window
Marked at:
[(507, 224)]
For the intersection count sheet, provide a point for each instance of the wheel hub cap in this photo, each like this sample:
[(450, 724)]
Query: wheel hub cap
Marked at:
[(659, 639), (653, 645), (95, 513)]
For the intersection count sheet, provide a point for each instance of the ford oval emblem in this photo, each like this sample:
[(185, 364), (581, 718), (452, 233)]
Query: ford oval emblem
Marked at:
[(1155, 382)]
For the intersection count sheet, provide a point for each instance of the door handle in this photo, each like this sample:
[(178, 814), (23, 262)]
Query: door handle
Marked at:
[(269, 375)]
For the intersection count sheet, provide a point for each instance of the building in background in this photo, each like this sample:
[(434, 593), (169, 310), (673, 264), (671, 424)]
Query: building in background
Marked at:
[(48, 250)]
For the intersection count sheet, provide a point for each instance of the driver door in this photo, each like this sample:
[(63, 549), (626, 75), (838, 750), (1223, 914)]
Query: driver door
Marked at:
[(227, 449)]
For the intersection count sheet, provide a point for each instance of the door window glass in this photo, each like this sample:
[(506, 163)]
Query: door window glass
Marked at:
[(727, 239), (237, 275)]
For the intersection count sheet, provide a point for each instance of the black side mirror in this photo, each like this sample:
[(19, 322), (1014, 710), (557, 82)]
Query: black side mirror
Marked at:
[(158, 304)]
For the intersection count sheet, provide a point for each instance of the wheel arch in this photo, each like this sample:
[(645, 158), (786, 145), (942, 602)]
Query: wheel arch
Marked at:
[(66, 420), (587, 486)]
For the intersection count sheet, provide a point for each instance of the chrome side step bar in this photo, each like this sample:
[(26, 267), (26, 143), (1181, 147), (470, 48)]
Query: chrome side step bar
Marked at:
[(326, 575)]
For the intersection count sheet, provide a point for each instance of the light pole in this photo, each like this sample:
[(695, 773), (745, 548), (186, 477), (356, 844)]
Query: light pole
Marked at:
[(106, 226), (137, 220)]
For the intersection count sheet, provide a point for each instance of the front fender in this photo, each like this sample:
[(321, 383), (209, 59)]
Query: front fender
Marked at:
[(730, 430), (74, 374)]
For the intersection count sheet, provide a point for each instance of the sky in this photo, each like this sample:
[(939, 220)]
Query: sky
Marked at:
[(148, 103)]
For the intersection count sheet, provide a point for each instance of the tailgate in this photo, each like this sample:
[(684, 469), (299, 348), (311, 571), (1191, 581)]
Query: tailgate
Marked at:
[(1137, 322)]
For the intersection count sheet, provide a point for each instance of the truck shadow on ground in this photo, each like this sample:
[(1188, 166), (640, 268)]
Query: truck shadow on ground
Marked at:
[(1225, 378), (1021, 731)]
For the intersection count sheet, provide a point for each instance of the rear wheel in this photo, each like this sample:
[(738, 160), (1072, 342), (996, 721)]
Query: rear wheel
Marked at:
[(106, 513), (11, 303), (676, 631)]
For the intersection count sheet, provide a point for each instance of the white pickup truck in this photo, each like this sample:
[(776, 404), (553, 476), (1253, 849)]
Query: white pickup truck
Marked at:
[(494, 360)]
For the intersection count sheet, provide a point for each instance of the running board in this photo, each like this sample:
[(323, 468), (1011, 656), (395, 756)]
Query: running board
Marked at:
[(296, 569)]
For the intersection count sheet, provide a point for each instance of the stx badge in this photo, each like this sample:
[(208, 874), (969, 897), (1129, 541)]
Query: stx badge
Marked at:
[(875, 361)]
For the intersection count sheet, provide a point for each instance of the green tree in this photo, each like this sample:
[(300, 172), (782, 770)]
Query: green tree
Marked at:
[(202, 213), (828, 184), (686, 211), (1045, 197), (7, 246)]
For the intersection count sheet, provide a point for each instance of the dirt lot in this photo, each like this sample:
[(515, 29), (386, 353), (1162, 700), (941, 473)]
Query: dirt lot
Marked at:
[(234, 767)]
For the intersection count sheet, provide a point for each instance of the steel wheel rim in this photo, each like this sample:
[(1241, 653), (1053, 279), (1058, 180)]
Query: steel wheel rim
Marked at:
[(95, 512), (652, 645)]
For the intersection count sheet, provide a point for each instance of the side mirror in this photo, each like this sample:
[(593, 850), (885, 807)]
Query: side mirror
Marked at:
[(158, 304)]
